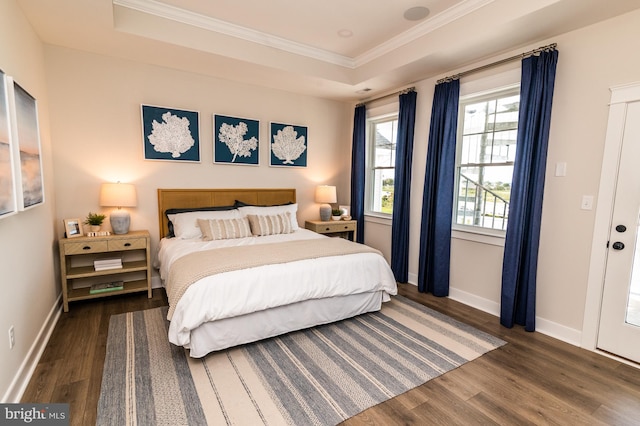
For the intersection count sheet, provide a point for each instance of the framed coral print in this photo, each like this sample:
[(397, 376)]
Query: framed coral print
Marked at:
[(26, 151), (8, 204), (170, 134), (288, 145), (236, 140), (72, 228)]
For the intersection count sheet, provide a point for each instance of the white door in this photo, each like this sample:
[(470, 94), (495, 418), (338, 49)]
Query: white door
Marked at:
[(619, 329)]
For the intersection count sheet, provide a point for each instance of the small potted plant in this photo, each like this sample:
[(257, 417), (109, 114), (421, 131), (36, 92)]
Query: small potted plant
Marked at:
[(335, 214), (95, 221)]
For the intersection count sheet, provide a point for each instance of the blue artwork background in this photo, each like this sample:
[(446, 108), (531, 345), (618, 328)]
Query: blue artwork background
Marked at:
[(301, 131), (151, 113), (221, 153)]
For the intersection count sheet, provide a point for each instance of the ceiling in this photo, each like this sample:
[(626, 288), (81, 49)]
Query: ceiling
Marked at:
[(338, 49)]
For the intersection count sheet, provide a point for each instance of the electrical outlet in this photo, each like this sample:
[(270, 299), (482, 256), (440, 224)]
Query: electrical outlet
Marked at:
[(12, 338)]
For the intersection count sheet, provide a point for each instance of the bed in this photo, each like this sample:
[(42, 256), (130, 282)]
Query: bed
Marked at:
[(238, 268)]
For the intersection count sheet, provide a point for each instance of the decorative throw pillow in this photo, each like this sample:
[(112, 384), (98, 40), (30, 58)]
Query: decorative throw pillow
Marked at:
[(262, 225), (272, 210), (173, 212), (185, 225), (224, 229)]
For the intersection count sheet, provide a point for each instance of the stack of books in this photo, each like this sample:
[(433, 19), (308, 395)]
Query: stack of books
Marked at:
[(104, 264), (104, 287)]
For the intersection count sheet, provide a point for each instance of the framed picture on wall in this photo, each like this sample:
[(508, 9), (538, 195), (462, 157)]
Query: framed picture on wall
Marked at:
[(236, 140), (8, 204), (170, 134), (72, 228), (26, 151), (288, 145)]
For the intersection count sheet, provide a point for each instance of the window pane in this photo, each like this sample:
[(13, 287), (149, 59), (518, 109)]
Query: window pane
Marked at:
[(385, 144), (483, 196), (382, 159), (487, 140), (475, 117), (504, 146), (382, 200)]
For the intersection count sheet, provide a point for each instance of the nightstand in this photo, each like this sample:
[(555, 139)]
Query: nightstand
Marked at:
[(78, 273), (335, 228)]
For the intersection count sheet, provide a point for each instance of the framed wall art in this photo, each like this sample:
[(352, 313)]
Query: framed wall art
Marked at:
[(288, 145), (170, 134), (8, 204), (27, 150), (236, 140), (72, 228)]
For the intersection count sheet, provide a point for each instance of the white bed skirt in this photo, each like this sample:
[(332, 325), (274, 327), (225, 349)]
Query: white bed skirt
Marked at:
[(225, 333)]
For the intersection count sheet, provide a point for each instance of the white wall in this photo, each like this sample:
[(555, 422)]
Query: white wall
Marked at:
[(97, 136), (27, 240), (590, 61)]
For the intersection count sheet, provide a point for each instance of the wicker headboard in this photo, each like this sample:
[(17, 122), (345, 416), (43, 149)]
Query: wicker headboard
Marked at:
[(187, 198)]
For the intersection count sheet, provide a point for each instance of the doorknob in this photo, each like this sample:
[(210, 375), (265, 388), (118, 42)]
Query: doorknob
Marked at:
[(618, 245), (621, 228)]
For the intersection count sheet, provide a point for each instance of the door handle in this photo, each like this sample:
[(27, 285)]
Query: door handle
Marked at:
[(618, 245), (621, 228)]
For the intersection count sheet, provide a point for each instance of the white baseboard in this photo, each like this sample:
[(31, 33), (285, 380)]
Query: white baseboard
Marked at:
[(485, 305), (23, 376), (156, 282), (559, 331), (544, 326)]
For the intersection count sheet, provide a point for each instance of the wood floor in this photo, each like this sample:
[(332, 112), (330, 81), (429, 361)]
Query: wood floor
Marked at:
[(533, 379)]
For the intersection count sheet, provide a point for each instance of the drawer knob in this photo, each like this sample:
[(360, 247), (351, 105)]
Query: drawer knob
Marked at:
[(326, 229), (86, 248), (127, 244)]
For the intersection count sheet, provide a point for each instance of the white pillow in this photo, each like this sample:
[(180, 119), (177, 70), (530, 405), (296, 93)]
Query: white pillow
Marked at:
[(270, 224), (185, 225), (272, 210)]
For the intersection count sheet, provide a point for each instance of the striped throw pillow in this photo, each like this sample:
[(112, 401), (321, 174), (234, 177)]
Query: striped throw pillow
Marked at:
[(270, 224), (224, 229)]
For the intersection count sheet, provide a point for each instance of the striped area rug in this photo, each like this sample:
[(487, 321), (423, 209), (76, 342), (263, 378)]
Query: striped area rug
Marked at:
[(320, 376)]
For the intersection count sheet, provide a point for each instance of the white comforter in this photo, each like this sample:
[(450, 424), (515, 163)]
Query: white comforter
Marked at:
[(255, 289)]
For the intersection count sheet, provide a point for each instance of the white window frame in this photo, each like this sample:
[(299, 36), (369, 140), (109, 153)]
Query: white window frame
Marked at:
[(370, 158), (470, 232)]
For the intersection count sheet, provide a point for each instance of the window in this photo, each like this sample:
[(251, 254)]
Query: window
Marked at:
[(486, 149), (382, 133)]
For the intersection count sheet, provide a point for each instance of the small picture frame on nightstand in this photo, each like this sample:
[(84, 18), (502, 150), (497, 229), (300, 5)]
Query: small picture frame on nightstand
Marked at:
[(72, 228)]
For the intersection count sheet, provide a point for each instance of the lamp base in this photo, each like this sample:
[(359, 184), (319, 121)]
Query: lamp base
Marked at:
[(325, 212), (120, 221)]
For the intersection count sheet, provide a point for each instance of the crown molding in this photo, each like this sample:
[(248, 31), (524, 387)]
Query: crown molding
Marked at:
[(446, 17), (173, 13), (208, 23)]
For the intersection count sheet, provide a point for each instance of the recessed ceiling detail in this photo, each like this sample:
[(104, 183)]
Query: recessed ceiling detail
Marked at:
[(459, 9), (295, 46)]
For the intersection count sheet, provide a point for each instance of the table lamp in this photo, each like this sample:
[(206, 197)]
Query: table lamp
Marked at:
[(118, 195), (325, 194)]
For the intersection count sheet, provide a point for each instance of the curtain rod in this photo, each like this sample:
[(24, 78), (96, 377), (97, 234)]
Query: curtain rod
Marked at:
[(400, 92), (551, 46)]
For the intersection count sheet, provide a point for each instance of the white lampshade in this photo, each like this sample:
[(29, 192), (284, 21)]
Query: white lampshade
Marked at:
[(118, 195), (325, 194)]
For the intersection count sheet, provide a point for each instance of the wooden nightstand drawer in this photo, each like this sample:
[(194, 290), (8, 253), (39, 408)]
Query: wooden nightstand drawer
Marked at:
[(344, 228), (127, 244), (85, 247), (336, 227)]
